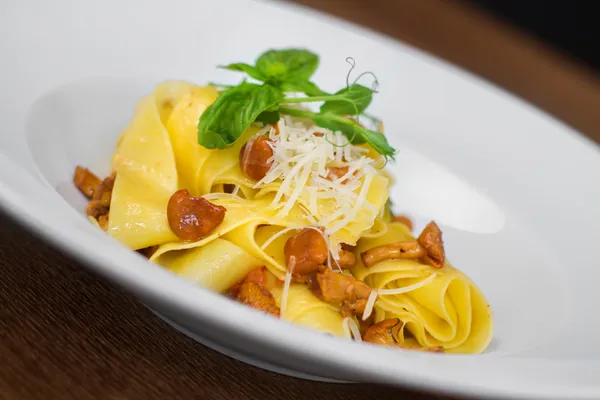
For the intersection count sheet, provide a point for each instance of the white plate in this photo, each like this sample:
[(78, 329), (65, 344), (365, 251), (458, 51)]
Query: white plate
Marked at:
[(516, 192)]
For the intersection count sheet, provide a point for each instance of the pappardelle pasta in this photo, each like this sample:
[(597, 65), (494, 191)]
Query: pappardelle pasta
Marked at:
[(250, 193)]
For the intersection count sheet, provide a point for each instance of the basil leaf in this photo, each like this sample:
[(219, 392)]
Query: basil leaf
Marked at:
[(357, 100), (287, 65), (306, 87), (248, 69), (378, 142), (355, 133), (223, 122), (350, 130), (268, 117)]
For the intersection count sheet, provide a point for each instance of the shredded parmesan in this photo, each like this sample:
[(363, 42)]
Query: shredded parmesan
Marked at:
[(370, 304), (308, 215), (276, 235), (302, 156), (375, 293), (335, 251), (351, 214), (217, 196), (351, 328), (286, 286), (409, 288), (346, 327)]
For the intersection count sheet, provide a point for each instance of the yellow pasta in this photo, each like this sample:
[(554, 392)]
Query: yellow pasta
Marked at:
[(182, 126), (168, 94), (138, 218), (221, 164), (239, 214), (448, 311), (361, 222), (319, 204), (304, 309), (252, 237), (146, 178), (217, 265)]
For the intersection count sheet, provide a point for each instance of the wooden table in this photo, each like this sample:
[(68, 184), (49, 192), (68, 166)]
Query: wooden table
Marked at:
[(66, 334)]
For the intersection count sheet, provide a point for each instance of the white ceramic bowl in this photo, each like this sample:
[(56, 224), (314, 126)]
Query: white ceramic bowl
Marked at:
[(515, 191)]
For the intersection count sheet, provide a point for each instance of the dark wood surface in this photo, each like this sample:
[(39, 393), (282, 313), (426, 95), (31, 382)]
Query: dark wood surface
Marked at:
[(66, 334)]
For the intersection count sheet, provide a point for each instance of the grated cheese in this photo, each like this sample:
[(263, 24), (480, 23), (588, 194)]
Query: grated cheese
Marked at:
[(286, 287), (375, 293), (351, 328), (350, 215), (370, 304), (335, 252), (276, 235), (409, 288), (308, 215), (217, 196), (300, 163)]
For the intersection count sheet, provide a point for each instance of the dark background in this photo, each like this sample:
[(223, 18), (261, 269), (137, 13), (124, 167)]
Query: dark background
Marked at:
[(570, 26)]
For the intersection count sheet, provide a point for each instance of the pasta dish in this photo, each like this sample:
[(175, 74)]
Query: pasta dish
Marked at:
[(275, 193)]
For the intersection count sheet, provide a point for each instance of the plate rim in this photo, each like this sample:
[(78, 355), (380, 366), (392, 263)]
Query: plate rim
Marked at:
[(114, 266), (412, 369)]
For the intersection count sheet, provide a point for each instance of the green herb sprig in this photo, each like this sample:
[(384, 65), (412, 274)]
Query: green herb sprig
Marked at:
[(281, 71)]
